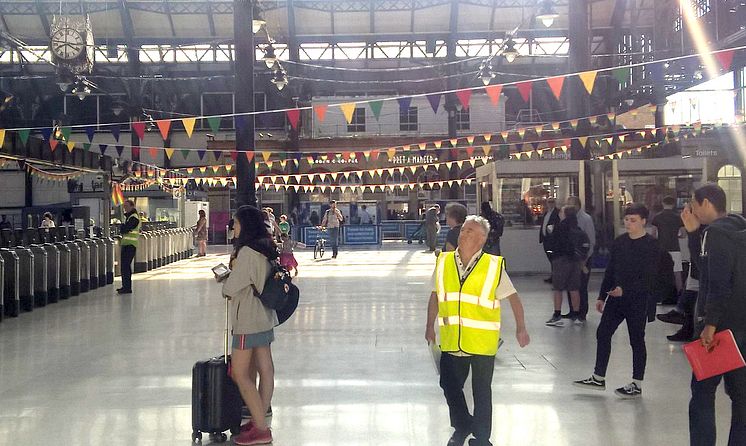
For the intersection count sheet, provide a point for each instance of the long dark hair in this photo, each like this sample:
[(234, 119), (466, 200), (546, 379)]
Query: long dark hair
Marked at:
[(254, 233)]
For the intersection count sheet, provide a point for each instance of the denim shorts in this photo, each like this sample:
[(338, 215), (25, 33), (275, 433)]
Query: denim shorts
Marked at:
[(249, 341)]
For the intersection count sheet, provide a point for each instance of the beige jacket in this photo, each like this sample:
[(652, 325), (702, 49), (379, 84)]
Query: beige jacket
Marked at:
[(248, 314)]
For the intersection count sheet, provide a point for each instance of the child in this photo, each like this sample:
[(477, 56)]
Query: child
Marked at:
[(287, 259), (627, 294), (284, 225)]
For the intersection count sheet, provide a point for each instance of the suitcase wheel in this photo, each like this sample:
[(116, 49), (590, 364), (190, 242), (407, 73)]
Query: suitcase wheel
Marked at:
[(218, 437), (196, 437)]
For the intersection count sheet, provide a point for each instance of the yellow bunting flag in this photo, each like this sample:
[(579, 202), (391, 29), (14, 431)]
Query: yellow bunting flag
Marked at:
[(583, 140), (589, 79), (266, 156), (391, 152), (202, 169), (521, 132), (470, 140), (2, 137), (556, 125), (539, 129), (189, 125), (228, 167), (486, 150), (454, 142), (423, 145), (169, 153), (487, 137), (70, 146), (438, 144), (214, 168), (348, 109)]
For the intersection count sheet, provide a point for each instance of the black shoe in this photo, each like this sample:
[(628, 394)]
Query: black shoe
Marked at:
[(123, 291), (475, 442), (567, 315), (681, 336), (672, 317), (458, 438), (590, 383), (628, 392), (548, 280), (119, 289)]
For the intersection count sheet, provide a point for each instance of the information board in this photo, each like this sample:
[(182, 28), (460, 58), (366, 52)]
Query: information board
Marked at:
[(361, 235)]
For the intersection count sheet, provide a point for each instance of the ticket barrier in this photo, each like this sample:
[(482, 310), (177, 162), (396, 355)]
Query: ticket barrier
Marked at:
[(10, 302), (85, 265), (93, 263)]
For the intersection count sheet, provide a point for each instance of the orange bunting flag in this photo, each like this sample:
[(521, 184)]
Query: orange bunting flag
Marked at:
[(164, 125), (348, 109), (153, 152), (494, 91), (524, 88), (589, 80), (249, 156), (555, 84), (189, 125), (320, 111)]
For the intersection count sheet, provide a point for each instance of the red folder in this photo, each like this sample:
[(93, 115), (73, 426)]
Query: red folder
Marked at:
[(723, 358)]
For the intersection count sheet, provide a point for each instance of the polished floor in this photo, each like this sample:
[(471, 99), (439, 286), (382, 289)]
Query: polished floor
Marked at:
[(352, 365)]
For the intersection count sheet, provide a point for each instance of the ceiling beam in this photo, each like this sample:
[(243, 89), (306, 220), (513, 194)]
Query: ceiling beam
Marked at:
[(167, 8), (42, 17), (211, 21)]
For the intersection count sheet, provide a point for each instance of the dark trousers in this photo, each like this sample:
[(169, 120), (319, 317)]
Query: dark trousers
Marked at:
[(584, 278), (702, 430), (334, 240), (453, 373), (128, 255), (633, 309)]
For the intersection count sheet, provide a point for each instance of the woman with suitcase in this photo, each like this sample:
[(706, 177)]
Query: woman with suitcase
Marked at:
[(252, 322)]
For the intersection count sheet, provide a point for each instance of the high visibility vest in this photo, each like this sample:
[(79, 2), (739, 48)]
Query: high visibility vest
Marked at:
[(131, 238), (468, 312)]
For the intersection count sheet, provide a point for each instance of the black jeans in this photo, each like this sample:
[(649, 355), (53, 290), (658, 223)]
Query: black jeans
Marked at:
[(128, 255), (633, 309), (453, 373), (702, 431)]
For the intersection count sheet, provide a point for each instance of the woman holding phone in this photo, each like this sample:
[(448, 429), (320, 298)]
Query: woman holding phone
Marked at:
[(252, 322)]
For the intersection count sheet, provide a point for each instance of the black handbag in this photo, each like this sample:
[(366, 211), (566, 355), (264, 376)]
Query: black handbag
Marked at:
[(279, 293)]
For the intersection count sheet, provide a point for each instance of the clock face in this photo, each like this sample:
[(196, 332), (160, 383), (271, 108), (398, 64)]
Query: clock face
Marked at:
[(67, 43)]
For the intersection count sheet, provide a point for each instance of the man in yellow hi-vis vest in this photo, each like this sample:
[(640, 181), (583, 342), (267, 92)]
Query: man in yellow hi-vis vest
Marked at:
[(130, 232), (468, 288)]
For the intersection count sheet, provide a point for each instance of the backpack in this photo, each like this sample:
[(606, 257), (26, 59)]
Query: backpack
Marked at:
[(279, 293), (497, 225), (580, 243)]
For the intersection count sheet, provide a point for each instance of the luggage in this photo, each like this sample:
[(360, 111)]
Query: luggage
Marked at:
[(216, 400)]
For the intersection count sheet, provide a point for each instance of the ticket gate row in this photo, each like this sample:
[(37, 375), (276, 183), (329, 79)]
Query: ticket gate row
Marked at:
[(160, 247), (41, 266)]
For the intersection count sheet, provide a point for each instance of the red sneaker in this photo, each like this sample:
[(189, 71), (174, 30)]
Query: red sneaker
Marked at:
[(253, 437), (247, 427)]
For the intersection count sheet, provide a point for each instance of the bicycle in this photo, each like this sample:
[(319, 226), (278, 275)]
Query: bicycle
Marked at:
[(320, 246)]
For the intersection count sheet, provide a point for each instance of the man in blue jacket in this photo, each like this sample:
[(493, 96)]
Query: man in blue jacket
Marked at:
[(722, 304)]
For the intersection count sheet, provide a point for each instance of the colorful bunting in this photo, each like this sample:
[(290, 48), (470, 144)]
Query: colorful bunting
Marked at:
[(555, 84), (66, 131), (90, 131), (294, 117), (164, 125), (348, 109), (139, 128), (153, 153), (404, 103), (375, 107), (185, 153), (464, 96), (214, 124), (189, 125), (320, 111), (120, 150), (2, 137), (70, 146), (102, 148), (169, 153), (725, 58), (434, 100), (494, 92), (524, 88), (115, 130), (53, 144), (589, 80)]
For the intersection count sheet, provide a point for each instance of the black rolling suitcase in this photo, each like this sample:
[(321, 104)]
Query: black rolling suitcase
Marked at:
[(216, 401)]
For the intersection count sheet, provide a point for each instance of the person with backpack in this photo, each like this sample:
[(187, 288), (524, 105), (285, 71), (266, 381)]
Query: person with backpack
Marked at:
[(585, 222), (497, 224), (252, 323), (627, 294), (333, 221), (567, 263)]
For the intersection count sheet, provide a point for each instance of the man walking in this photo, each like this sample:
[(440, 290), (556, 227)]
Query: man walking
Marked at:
[(432, 226), (468, 287), (722, 302), (585, 222), (130, 232), (333, 220), (666, 228), (549, 222)]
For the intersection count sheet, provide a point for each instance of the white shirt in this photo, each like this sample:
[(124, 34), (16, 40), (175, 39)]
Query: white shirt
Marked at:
[(364, 217), (585, 222)]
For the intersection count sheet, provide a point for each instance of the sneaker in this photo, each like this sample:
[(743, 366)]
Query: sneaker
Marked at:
[(123, 291), (458, 438), (247, 427), (567, 315), (253, 436), (630, 391), (580, 320), (672, 317), (555, 321), (590, 383)]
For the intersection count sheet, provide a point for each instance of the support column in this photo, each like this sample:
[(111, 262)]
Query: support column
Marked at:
[(579, 58), (243, 86), (292, 200)]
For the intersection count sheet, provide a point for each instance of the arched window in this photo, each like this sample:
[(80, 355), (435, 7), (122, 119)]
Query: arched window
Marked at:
[(729, 178)]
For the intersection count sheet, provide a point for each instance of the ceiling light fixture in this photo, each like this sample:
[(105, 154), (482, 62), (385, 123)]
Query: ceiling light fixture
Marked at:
[(547, 14), (269, 56), (510, 53)]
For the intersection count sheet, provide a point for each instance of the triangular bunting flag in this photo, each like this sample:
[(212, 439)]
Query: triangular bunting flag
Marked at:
[(725, 58), (621, 75), (70, 146), (135, 152), (139, 128), (214, 123), (438, 144), (574, 124), (153, 153), (2, 137), (494, 91), (189, 125), (454, 142), (164, 125), (583, 140), (115, 130), (555, 84), (348, 109), (249, 156), (185, 153), (102, 148), (375, 107), (53, 144), (464, 96), (46, 133), (487, 137), (266, 156), (434, 100), (524, 88), (470, 139), (90, 131), (293, 117), (218, 154), (486, 150), (589, 79), (404, 103), (169, 153), (66, 131), (120, 150), (320, 111)]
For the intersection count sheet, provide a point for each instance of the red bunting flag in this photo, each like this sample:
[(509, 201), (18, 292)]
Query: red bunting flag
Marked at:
[(164, 125), (139, 128), (294, 117), (249, 155), (555, 84), (464, 96), (53, 144), (524, 88), (494, 91), (320, 111), (153, 152), (725, 58)]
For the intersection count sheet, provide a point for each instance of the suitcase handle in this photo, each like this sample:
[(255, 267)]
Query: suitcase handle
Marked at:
[(227, 325)]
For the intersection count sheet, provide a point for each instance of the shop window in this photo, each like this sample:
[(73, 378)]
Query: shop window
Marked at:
[(463, 119), (408, 120), (729, 178), (357, 123)]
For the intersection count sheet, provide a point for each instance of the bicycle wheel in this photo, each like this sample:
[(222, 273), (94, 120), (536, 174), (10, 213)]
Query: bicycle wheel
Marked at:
[(321, 251), (316, 251)]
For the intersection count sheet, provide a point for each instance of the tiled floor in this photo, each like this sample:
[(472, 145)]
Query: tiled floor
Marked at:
[(352, 365)]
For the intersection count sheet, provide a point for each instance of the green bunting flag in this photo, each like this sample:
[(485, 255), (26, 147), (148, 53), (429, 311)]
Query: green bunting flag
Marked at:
[(214, 124), (185, 153), (86, 146), (375, 107), (66, 133), (23, 134), (621, 75)]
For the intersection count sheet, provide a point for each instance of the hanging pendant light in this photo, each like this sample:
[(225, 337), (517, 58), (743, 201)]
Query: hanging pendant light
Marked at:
[(269, 56), (485, 74), (547, 14), (256, 24), (280, 79), (510, 53)]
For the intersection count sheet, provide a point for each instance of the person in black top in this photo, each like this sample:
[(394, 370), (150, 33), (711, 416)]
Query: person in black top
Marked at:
[(566, 267), (497, 224), (4, 223), (722, 303), (549, 222), (455, 218), (667, 226), (627, 294)]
